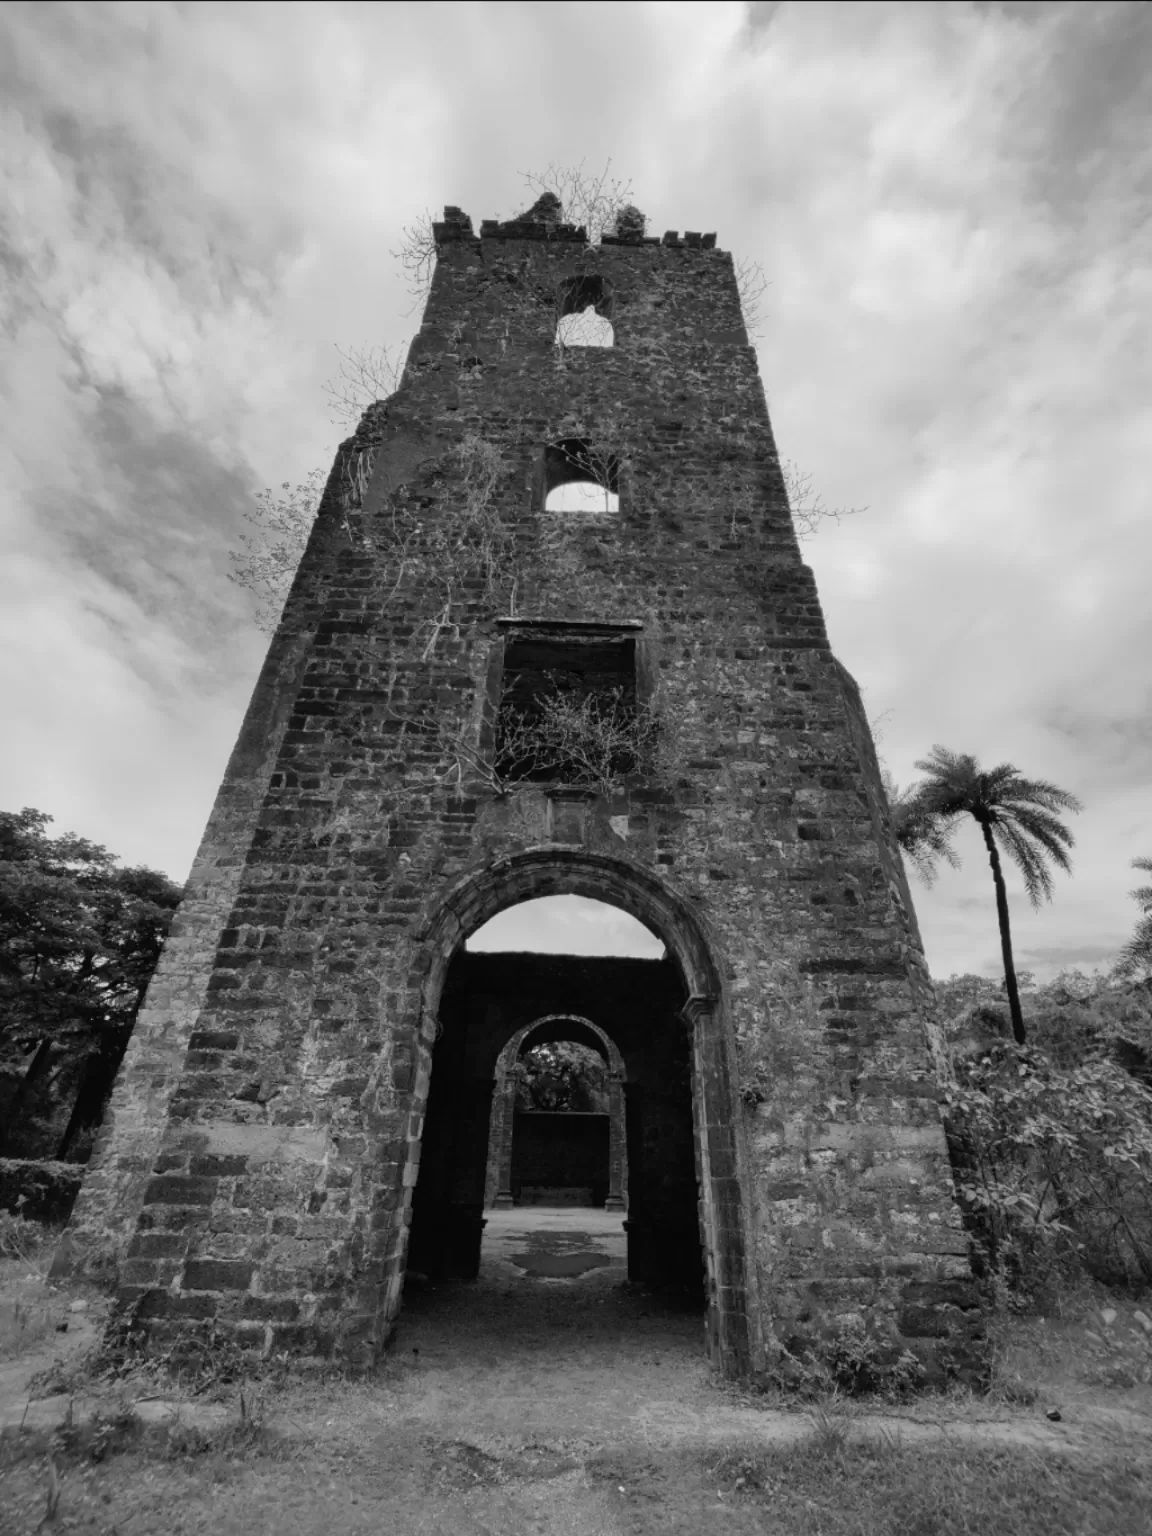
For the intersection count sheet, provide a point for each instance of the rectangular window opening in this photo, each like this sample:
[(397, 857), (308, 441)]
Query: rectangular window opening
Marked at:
[(568, 709)]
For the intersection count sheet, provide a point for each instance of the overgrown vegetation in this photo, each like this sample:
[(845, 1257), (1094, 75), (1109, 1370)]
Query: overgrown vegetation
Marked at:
[(851, 1361), (1053, 1168), (1051, 1143), (593, 740)]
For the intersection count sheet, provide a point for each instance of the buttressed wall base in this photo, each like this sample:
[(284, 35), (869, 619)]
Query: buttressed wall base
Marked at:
[(308, 1028)]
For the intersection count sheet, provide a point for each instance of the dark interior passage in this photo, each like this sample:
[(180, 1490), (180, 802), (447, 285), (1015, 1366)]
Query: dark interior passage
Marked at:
[(487, 999)]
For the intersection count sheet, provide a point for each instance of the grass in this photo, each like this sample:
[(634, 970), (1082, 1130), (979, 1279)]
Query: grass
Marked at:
[(831, 1486), (29, 1315), (114, 1473)]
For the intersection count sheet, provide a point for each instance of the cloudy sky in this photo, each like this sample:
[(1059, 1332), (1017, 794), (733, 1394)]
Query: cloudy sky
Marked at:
[(950, 201)]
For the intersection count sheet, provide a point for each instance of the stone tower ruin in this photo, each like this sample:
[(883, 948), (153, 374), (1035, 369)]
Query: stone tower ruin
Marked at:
[(305, 1109)]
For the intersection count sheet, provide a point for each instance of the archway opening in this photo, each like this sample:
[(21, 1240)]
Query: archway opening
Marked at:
[(556, 1130), (580, 475), (585, 304), (587, 1006), (584, 328)]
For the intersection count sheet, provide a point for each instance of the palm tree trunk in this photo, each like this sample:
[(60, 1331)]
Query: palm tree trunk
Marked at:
[(1005, 934)]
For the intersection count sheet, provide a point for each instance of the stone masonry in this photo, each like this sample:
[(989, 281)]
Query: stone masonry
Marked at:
[(310, 1052)]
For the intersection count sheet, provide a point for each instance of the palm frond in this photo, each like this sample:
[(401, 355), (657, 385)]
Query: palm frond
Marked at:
[(1037, 879), (1051, 834), (1017, 790), (923, 835), (1143, 893), (951, 785), (996, 783), (1136, 955)]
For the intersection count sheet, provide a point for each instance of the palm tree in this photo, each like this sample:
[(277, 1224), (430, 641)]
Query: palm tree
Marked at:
[(922, 836), (1137, 953), (1015, 814)]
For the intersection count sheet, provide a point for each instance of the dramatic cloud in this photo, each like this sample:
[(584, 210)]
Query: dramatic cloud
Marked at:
[(950, 203)]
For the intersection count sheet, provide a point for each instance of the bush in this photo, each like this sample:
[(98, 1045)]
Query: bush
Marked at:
[(1053, 1166), (39, 1190), (20, 1239)]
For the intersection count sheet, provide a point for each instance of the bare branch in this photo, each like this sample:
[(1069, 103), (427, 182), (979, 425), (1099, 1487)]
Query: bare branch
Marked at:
[(808, 510), (367, 374), (267, 562), (586, 198), (417, 257), (752, 286), (596, 740)]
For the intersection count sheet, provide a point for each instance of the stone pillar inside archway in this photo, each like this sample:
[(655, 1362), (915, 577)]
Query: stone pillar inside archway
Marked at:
[(504, 1115), (617, 1151)]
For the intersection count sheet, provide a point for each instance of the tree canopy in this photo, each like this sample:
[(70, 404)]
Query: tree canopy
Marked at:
[(79, 940), (563, 1075)]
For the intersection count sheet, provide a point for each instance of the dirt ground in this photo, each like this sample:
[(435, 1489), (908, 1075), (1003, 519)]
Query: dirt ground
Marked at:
[(550, 1396)]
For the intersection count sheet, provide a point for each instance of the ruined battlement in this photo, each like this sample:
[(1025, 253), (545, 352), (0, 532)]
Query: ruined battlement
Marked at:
[(456, 226)]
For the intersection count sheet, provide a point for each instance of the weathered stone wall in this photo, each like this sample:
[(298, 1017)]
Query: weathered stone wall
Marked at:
[(128, 1142), (266, 1131)]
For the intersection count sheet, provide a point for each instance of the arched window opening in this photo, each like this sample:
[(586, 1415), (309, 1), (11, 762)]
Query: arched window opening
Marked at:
[(582, 496), (581, 476), (567, 925), (585, 328), (585, 306)]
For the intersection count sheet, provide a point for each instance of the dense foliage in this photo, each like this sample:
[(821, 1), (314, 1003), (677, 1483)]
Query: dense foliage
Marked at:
[(1052, 1143), (563, 1076), (79, 940)]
